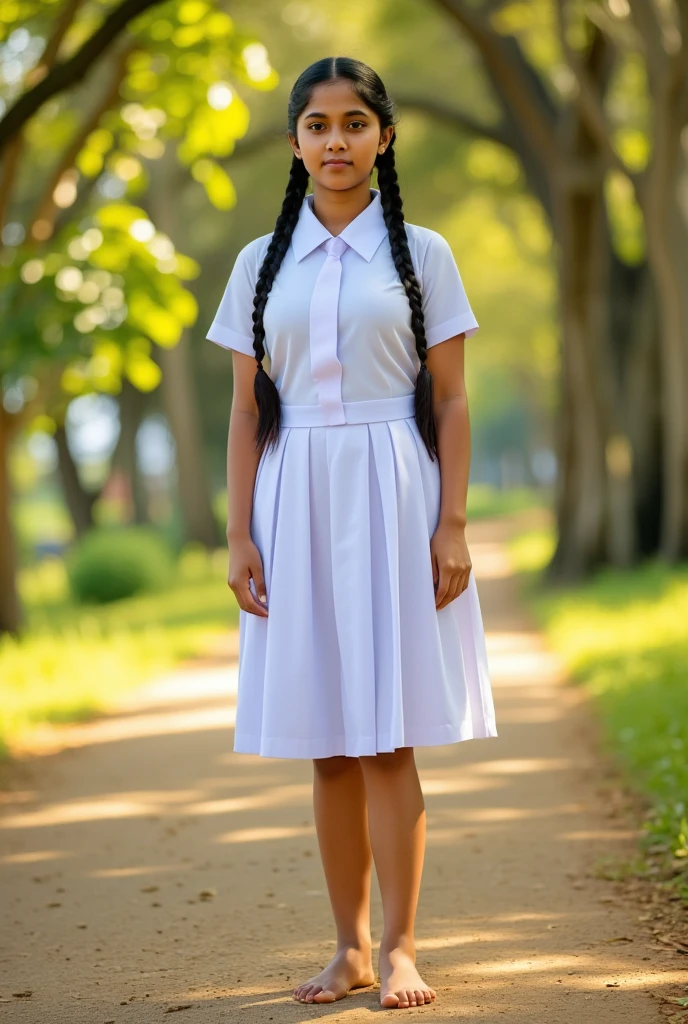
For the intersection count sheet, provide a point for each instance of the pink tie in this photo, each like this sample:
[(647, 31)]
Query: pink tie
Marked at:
[(325, 365)]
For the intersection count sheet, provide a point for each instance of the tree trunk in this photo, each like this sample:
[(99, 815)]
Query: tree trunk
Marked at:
[(668, 251), (132, 405), (179, 396), (79, 501), (179, 400), (10, 608)]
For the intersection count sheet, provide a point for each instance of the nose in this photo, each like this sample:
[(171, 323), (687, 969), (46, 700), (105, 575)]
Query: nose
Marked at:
[(336, 141)]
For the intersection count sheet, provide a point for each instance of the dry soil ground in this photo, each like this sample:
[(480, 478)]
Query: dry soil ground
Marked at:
[(147, 869)]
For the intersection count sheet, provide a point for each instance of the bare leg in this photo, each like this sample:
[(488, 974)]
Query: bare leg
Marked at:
[(339, 803), (397, 834)]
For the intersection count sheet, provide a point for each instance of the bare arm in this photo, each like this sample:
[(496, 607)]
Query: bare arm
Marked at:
[(242, 464), (451, 560)]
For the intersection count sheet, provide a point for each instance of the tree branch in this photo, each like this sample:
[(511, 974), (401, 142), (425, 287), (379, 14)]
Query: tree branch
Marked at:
[(519, 87), (68, 73), (588, 101), (52, 47), (456, 118), (15, 153), (45, 208), (650, 32)]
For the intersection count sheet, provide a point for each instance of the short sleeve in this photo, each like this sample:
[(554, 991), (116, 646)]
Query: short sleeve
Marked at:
[(233, 323), (446, 308)]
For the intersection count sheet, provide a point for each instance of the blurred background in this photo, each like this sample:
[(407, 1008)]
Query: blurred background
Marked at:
[(142, 144)]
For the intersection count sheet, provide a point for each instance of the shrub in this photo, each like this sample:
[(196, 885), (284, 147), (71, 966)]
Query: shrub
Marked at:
[(112, 563)]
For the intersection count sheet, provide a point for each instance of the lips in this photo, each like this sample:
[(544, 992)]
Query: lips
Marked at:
[(338, 163)]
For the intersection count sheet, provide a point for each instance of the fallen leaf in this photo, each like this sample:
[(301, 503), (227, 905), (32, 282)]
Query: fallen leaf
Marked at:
[(619, 938), (207, 894), (23, 995), (612, 984), (149, 888), (179, 1006)]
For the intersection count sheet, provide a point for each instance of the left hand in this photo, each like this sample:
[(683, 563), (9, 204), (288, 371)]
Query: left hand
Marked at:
[(451, 564)]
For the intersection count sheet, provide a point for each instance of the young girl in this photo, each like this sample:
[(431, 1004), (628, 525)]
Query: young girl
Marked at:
[(360, 628)]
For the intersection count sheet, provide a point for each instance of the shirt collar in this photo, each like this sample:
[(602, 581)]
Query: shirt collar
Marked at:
[(364, 233)]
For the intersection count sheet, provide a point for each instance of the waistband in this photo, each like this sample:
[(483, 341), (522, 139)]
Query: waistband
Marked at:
[(371, 411)]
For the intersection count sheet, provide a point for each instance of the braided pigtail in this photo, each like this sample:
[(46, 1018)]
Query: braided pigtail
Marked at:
[(264, 389), (390, 198)]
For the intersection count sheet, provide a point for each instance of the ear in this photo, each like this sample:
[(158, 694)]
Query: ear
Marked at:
[(386, 137), (294, 145)]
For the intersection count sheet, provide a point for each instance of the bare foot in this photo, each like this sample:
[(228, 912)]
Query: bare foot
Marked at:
[(349, 968), (401, 985)]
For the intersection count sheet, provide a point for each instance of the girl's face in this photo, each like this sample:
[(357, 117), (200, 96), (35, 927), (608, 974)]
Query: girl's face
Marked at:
[(338, 137)]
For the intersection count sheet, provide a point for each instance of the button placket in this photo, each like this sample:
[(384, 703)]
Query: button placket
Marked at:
[(325, 365)]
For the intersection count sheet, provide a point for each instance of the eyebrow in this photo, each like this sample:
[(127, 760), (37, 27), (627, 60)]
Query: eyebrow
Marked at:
[(347, 113)]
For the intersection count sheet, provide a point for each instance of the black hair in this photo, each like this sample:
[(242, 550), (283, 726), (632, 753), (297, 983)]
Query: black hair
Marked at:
[(367, 84)]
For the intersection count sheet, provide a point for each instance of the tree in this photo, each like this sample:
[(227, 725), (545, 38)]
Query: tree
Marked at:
[(88, 284), (607, 501)]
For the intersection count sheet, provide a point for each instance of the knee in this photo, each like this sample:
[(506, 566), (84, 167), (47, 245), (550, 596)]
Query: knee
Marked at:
[(334, 767), (389, 761)]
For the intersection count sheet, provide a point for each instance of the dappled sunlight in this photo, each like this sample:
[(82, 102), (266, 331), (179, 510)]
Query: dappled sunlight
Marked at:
[(490, 561), (459, 784), (279, 797), (544, 962), (259, 835), (530, 715), (586, 835), (520, 766), (134, 872), (125, 805), (513, 666), (33, 856), (461, 939)]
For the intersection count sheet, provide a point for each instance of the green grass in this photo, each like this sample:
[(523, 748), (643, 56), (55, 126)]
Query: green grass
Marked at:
[(72, 661), (485, 500), (624, 636)]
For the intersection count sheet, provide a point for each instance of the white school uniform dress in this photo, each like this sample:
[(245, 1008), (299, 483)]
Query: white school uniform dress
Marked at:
[(353, 657)]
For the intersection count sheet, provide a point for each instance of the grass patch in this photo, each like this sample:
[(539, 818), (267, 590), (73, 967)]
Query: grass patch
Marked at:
[(485, 500), (71, 661), (623, 636)]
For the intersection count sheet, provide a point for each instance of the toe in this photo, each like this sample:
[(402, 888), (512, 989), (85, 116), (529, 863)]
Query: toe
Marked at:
[(390, 1000), (420, 997), (324, 996)]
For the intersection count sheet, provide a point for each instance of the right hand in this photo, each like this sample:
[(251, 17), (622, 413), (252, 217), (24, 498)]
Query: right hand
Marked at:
[(245, 564)]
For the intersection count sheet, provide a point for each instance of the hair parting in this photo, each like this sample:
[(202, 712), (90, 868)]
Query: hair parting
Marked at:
[(368, 85)]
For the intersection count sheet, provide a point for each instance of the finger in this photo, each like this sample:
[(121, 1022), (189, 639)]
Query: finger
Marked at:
[(450, 592), (455, 588), (259, 582), (442, 587), (258, 608), (466, 580), (435, 570), (248, 602)]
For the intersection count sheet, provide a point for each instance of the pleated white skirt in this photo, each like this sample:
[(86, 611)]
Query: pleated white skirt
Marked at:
[(353, 657)]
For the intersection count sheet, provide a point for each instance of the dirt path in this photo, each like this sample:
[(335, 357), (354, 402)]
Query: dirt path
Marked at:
[(146, 867)]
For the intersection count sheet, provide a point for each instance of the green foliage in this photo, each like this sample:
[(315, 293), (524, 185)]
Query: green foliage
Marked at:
[(96, 303), (73, 661), (623, 636), (485, 500), (98, 284), (111, 564)]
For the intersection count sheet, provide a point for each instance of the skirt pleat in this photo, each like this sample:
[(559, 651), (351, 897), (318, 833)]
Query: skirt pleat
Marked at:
[(354, 659)]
